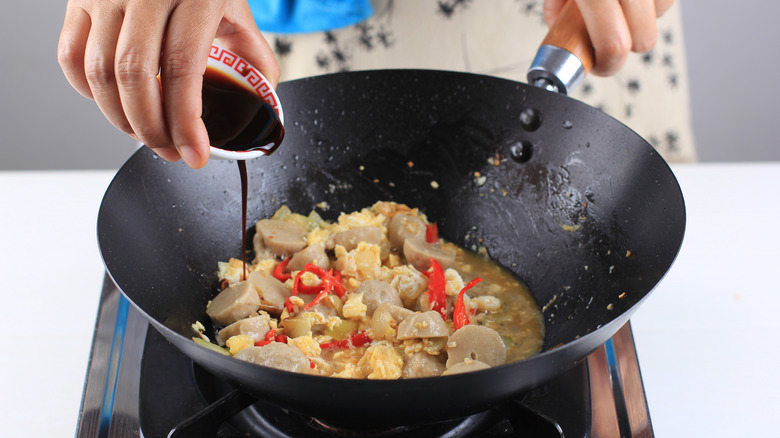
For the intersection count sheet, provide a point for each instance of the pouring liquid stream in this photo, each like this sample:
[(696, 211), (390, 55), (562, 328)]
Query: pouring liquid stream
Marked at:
[(244, 193), (237, 119)]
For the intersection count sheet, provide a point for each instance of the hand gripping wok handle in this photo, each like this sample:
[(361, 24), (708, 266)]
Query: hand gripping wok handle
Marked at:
[(566, 54)]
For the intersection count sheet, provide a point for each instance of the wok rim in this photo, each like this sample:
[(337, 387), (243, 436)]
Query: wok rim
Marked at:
[(587, 342)]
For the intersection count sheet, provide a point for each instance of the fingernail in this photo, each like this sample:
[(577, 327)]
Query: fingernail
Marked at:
[(191, 156)]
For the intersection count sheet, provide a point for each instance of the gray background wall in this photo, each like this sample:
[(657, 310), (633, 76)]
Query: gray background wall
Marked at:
[(733, 70)]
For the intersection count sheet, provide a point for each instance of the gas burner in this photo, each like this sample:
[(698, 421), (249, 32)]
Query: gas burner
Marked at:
[(139, 384)]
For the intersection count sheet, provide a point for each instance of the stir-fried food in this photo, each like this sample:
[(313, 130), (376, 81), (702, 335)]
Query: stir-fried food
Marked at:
[(376, 294)]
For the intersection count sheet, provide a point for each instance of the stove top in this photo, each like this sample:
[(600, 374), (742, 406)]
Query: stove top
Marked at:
[(140, 385)]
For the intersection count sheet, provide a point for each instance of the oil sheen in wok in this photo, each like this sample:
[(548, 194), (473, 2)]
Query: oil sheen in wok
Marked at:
[(376, 294)]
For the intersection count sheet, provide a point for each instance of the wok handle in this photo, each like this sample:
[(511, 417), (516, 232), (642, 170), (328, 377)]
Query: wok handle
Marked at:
[(566, 54)]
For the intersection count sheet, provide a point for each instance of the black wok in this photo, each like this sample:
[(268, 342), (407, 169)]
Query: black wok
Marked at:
[(579, 207)]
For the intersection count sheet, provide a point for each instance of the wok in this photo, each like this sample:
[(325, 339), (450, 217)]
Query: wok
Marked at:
[(575, 204)]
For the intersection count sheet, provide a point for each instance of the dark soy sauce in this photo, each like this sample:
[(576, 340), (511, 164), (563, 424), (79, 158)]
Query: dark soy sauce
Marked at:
[(237, 119), (244, 191)]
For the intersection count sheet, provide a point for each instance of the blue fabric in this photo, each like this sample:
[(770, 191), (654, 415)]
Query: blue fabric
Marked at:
[(299, 16)]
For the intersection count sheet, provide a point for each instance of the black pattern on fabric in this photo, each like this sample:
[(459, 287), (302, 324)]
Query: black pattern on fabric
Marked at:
[(649, 95)]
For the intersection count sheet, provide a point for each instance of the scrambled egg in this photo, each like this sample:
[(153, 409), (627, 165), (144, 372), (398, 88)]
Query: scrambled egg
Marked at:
[(362, 218), (362, 263), (318, 235), (332, 322), (265, 266), (307, 345), (345, 363), (232, 270), (239, 342), (381, 361), (354, 308)]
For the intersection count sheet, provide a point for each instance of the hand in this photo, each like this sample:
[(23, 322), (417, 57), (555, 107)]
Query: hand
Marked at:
[(112, 51), (615, 27)]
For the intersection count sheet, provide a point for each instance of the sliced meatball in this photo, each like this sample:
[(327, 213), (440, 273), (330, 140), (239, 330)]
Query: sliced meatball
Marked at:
[(234, 303), (423, 305), (349, 239), (377, 292), (255, 327), (465, 367), (386, 319), (261, 252), (422, 364), (314, 254), (419, 254), (282, 237), (404, 226), (477, 343), (423, 325), (277, 355), (273, 293)]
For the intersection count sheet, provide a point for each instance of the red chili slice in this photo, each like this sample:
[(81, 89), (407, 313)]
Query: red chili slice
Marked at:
[(460, 316), (279, 273), (338, 288), (330, 281), (431, 233), (328, 287), (356, 340), (296, 286), (437, 298), (269, 337), (305, 289), (332, 275)]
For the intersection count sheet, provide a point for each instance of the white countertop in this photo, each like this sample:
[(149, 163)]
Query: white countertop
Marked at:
[(707, 337)]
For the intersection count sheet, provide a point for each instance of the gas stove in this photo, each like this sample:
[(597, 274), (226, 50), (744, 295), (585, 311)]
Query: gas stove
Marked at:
[(140, 385)]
